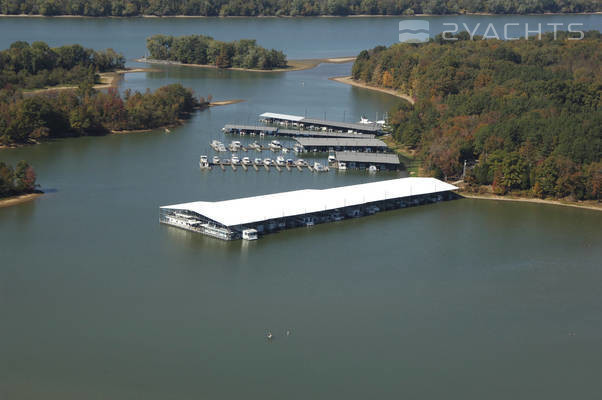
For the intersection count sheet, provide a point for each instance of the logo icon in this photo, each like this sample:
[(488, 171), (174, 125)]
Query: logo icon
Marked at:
[(414, 31)]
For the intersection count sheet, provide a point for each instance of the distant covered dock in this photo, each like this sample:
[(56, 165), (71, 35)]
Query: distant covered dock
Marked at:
[(320, 124), (382, 161), (342, 144)]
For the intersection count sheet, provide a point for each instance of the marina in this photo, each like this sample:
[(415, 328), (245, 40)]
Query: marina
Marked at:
[(250, 217), (312, 124), (340, 144), (260, 130), (371, 161)]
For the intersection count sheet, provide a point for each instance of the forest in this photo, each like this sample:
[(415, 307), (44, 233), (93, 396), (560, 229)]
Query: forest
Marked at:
[(31, 117), (18, 180), (525, 114), (38, 65), (199, 49), (85, 111), (101, 8)]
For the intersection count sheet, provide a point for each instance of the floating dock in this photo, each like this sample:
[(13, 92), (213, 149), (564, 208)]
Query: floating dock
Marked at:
[(252, 216), (342, 144), (320, 124), (382, 161), (277, 131)]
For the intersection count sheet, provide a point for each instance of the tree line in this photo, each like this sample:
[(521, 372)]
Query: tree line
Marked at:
[(128, 8), (526, 113), (85, 111), (200, 49), (16, 181), (38, 65)]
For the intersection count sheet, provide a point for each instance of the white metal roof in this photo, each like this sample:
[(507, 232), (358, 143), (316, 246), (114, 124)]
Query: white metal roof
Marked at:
[(340, 142), (287, 204), (295, 118), (377, 158)]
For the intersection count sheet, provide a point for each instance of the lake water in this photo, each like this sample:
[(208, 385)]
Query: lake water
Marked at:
[(466, 299)]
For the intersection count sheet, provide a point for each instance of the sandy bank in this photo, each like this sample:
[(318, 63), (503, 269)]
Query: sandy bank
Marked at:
[(349, 81), (293, 65), (590, 204), (225, 102), (14, 200), (107, 80)]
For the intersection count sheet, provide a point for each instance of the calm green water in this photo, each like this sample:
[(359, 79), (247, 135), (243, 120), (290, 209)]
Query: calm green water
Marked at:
[(466, 299)]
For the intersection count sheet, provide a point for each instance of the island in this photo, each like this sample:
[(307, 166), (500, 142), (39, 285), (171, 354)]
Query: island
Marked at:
[(517, 118), (204, 51), (27, 117)]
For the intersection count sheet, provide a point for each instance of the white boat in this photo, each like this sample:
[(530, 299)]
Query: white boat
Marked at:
[(275, 145), (235, 160), (372, 168), (301, 162), (246, 160), (342, 166), (215, 160), (258, 161), (267, 161), (234, 146), (204, 162), (331, 158), (285, 150), (298, 148), (249, 234), (319, 167), (279, 160)]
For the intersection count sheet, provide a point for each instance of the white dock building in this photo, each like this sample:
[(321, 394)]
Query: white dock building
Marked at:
[(250, 216)]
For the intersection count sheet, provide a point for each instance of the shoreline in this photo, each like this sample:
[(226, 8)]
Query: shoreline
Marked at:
[(293, 65), (107, 80), (585, 205), (394, 92), (20, 199), (298, 16)]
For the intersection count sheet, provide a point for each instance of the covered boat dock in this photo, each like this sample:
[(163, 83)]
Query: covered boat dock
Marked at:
[(342, 144), (247, 217), (300, 122), (382, 161)]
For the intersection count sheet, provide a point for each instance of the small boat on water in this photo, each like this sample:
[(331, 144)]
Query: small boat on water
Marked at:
[(235, 160), (167, 130), (301, 162), (372, 169), (234, 145), (342, 166), (267, 161), (285, 150), (215, 160), (331, 158), (246, 160), (279, 160), (204, 162), (275, 145), (258, 161), (318, 167)]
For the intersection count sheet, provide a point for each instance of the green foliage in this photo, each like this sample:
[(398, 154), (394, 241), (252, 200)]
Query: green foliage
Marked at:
[(199, 49), (38, 65), (527, 113), (88, 112), (18, 181), (98, 8)]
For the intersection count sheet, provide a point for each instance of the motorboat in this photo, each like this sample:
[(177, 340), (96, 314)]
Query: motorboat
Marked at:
[(258, 161), (204, 162), (342, 166), (275, 145), (285, 150), (290, 162), (249, 234), (372, 168), (235, 160), (301, 162), (246, 160), (267, 161), (318, 167), (279, 160), (215, 160), (331, 158)]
